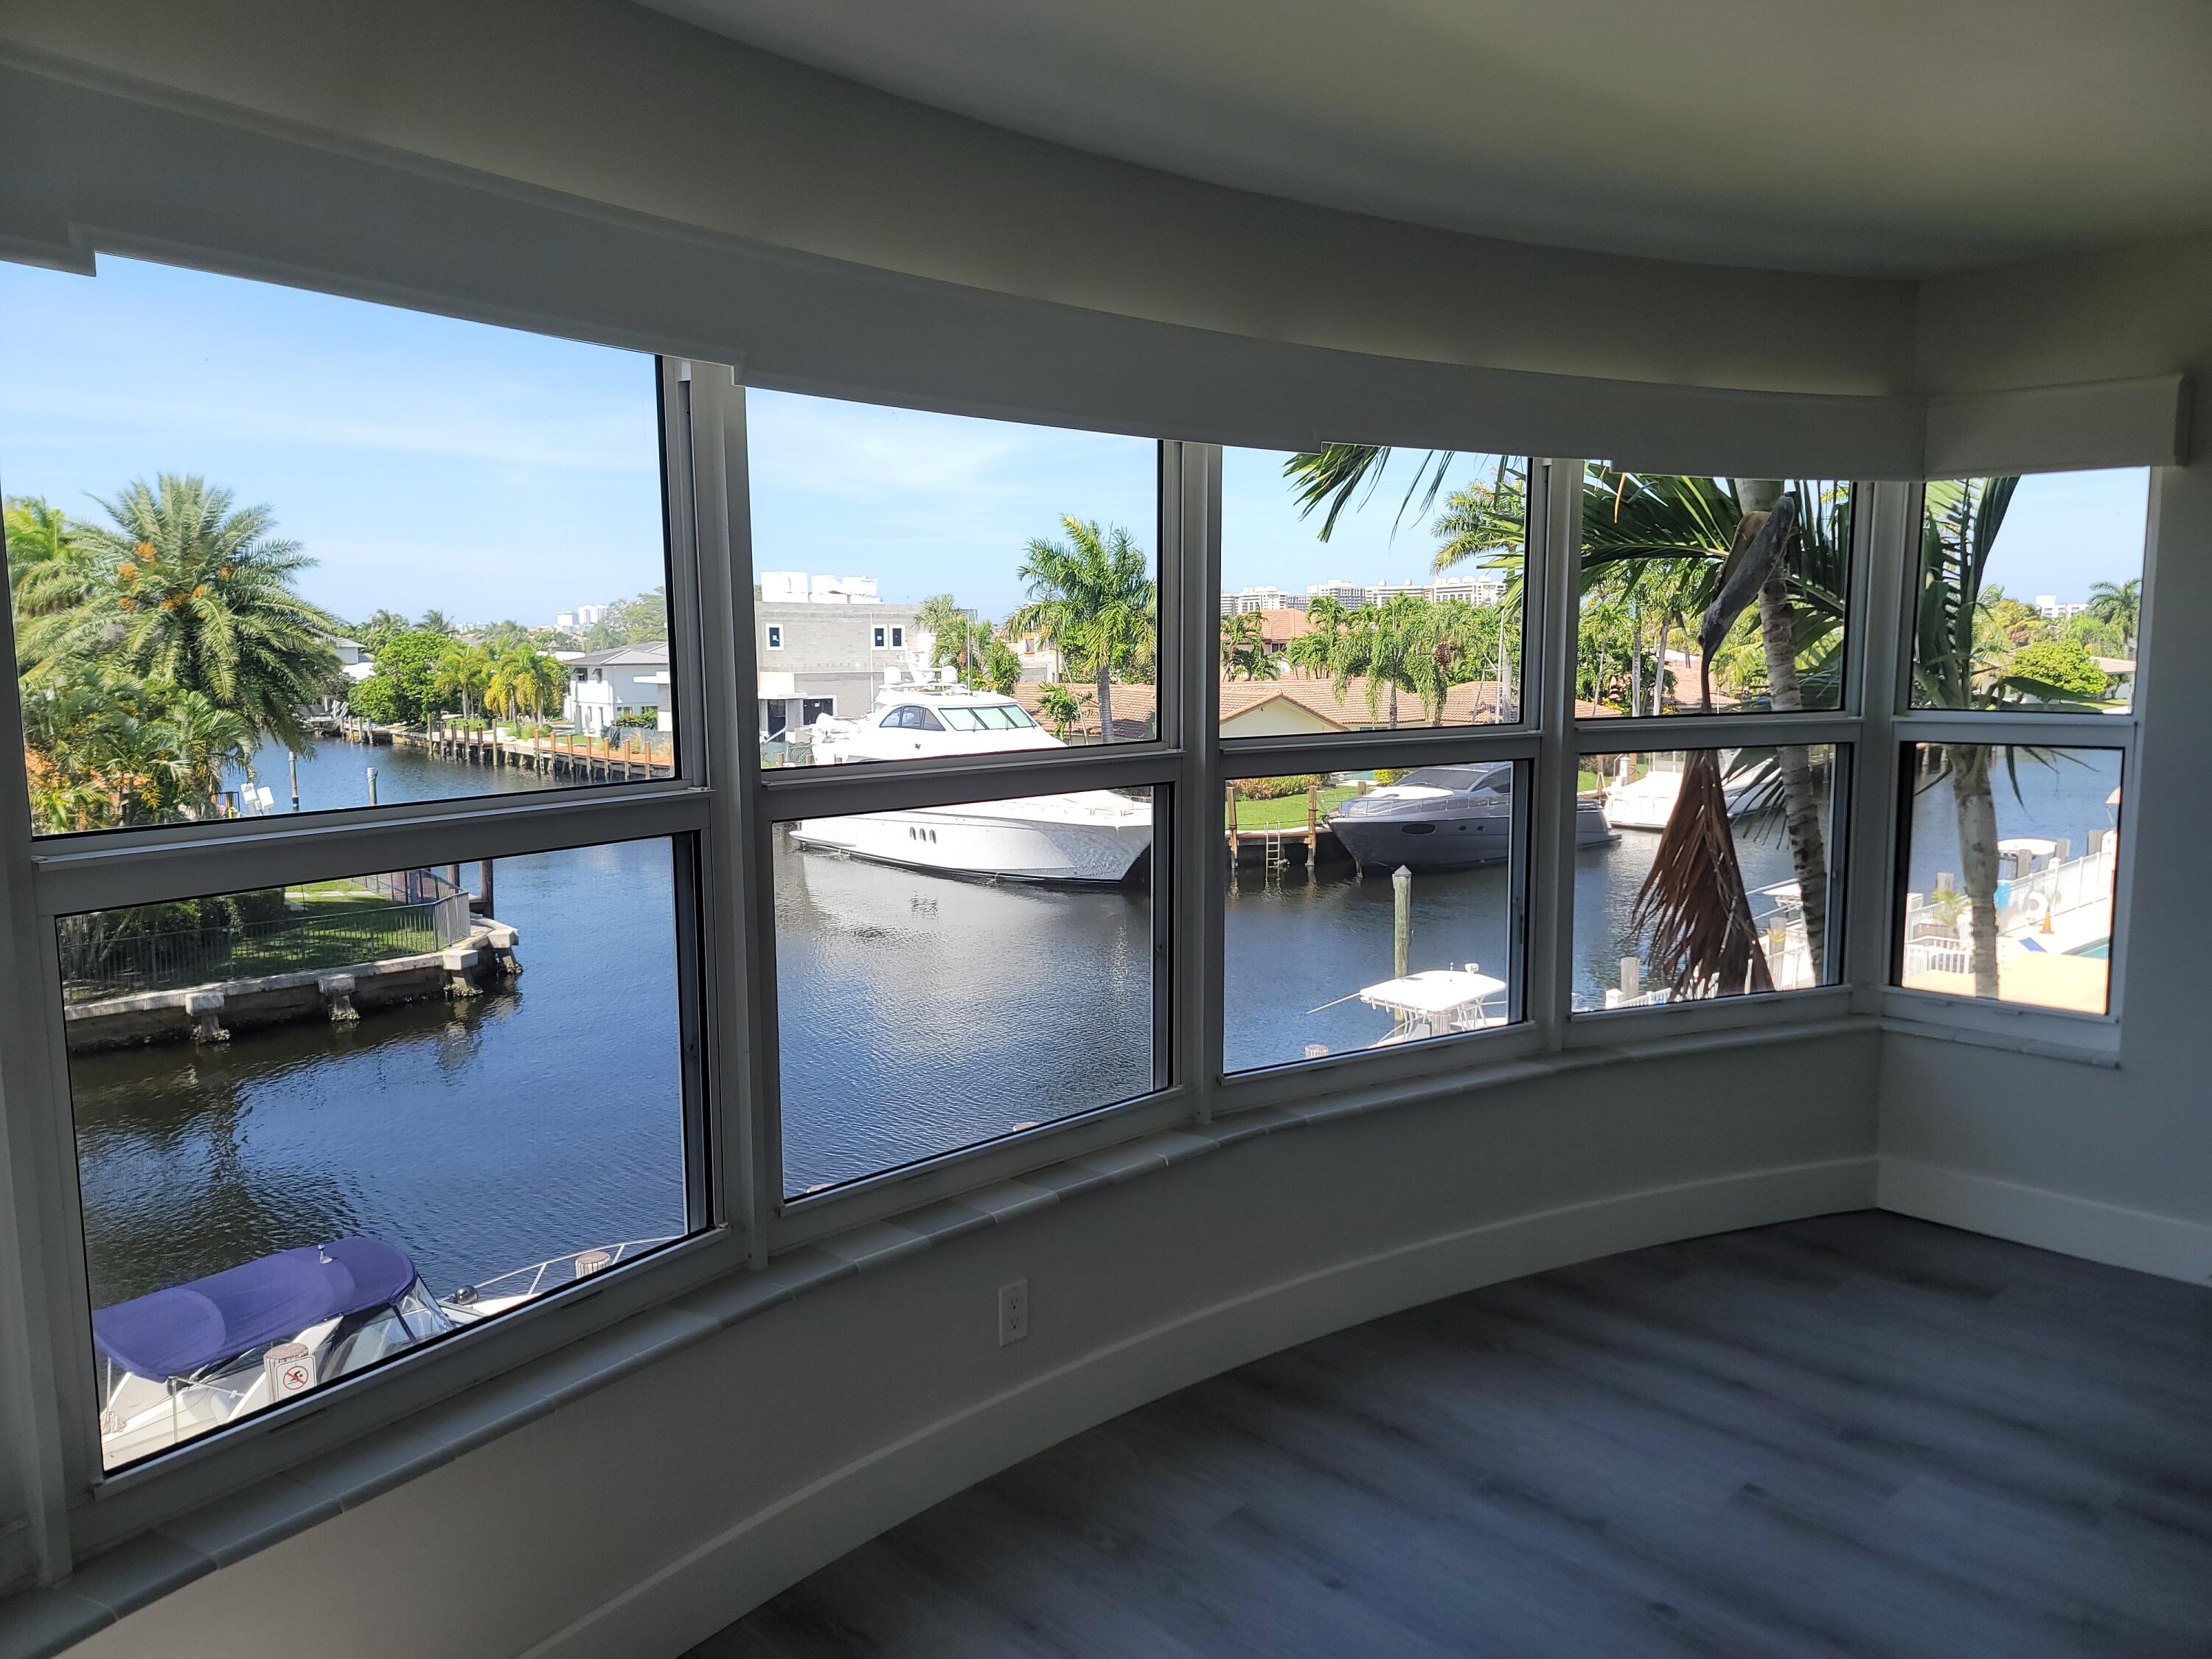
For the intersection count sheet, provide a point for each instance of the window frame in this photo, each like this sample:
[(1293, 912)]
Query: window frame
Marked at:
[(1162, 764), (727, 804), (1521, 742), (2060, 1031), (50, 876)]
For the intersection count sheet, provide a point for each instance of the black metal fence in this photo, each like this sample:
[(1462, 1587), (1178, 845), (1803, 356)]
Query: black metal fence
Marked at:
[(103, 955)]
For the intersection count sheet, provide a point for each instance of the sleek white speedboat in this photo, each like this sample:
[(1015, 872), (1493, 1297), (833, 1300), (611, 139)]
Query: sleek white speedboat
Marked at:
[(180, 1362), (1444, 818), (1089, 836)]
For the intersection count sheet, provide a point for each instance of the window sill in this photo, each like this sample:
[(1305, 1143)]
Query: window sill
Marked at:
[(39, 1622)]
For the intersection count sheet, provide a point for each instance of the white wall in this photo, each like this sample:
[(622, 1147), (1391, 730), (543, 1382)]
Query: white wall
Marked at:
[(2115, 1164), (733, 1467), (790, 1436), (611, 103)]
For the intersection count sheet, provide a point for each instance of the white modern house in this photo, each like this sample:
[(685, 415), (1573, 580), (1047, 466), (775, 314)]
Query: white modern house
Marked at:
[(605, 685), (805, 1256), (823, 643)]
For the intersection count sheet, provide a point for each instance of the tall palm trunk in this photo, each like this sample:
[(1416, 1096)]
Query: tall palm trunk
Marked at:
[(1975, 803), (1800, 806), (1105, 700)]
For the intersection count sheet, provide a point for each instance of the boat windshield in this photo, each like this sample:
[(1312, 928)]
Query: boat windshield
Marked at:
[(987, 717), (1458, 779)]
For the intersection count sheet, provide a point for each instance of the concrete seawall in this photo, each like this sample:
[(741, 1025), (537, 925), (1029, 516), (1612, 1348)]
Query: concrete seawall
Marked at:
[(209, 1013)]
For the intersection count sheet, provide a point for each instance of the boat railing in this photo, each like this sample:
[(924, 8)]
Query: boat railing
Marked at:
[(555, 1272)]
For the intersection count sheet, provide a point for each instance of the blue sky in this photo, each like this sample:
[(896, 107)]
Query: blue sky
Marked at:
[(493, 473), (425, 462)]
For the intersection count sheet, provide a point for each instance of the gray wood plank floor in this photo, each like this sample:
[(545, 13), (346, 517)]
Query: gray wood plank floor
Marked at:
[(1859, 1435)]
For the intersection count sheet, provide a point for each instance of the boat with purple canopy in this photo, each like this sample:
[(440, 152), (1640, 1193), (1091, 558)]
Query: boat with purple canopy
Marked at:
[(178, 1362)]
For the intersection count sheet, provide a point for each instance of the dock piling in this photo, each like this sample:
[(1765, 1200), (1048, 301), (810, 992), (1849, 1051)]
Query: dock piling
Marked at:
[(1402, 931)]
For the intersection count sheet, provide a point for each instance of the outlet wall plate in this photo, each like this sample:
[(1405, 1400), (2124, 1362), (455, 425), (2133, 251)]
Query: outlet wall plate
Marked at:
[(1013, 1311)]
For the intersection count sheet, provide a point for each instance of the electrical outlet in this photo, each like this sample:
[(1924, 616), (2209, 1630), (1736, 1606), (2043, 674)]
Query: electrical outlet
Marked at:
[(1013, 1311)]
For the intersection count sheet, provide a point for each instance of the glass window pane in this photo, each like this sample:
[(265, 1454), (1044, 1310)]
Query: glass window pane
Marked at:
[(1011, 568), (952, 973), (1703, 873), (335, 1117), (2011, 857), (1654, 547), (247, 524), (1361, 589), (2030, 592), (1367, 910)]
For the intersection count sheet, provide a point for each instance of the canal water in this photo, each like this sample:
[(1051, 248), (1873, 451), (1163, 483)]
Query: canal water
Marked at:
[(916, 1014)]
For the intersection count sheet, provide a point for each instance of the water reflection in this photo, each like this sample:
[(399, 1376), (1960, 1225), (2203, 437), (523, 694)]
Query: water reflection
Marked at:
[(477, 1136), (919, 1013)]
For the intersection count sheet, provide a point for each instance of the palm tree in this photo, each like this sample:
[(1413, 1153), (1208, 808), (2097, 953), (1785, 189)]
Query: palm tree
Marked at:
[(205, 740), (1670, 539), (383, 625), (200, 594), (525, 677), (948, 627), (463, 670), (1958, 525), (1447, 637), (1060, 708), (1091, 597), (1245, 652), (2118, 604), (1378, 643), (49, 568)]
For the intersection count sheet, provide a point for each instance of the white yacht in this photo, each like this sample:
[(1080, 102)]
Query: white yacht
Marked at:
[(178, 1363), (1092, 836), (1647, 802), (1445, 817)]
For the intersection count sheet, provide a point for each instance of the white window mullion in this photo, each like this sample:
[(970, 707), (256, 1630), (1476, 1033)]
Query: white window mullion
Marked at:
[(491, 827), (707, 423), (1548, 673), (1884, 560), (1670, 731), (821, 791), (1200, 875), (1358, 750), (750, 1142)]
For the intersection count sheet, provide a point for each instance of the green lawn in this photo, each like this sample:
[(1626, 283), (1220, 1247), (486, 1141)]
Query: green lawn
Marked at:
[(1287, 812)]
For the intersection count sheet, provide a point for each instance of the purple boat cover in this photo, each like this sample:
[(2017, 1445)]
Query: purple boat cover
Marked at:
[(178, 1331)]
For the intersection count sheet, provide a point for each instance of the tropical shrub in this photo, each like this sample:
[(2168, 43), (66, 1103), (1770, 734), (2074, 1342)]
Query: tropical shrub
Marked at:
[(1276, 788), (2061, 664)]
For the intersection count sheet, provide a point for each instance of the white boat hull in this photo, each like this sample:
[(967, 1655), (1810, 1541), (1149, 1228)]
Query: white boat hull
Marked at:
[(1090, 838), (1649, 802)]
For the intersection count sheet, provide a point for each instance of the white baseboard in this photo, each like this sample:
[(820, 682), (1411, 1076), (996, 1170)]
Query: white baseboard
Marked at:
[(2120, 1238), (728, 1575)]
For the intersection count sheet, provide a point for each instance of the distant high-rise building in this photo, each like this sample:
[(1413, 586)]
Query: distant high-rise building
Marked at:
[(1247, 600), (2048, 606), (1353, 594)]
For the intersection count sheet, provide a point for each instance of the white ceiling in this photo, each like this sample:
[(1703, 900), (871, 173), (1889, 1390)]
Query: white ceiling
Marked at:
[(1863, 136)]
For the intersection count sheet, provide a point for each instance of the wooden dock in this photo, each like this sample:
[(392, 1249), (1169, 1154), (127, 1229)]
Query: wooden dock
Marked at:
[(553, 754), (1274, 847)]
